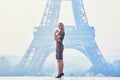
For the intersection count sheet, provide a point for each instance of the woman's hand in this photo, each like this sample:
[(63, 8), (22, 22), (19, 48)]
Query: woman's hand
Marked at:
[(58, 38), (56, 31)]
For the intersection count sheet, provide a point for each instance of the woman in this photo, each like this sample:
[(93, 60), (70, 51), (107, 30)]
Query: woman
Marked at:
[(59, 36)]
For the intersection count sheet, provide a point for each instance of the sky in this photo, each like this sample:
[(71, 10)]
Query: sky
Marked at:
[(18, 17)]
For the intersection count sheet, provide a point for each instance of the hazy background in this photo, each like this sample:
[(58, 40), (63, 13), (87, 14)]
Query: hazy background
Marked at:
[(18, 17)]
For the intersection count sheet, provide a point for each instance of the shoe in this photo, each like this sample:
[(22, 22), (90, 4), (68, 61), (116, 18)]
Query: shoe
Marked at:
[(62, 74), (59, 76)]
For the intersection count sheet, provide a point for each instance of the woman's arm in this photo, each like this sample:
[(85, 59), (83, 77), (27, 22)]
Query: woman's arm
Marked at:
[(57, 37)]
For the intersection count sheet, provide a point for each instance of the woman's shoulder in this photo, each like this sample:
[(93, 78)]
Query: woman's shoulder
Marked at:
[(62, 32)]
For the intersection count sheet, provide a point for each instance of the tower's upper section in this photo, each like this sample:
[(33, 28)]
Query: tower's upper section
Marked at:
[(51, 13), (79, 13)]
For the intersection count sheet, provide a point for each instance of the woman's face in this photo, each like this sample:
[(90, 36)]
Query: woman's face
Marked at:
[(59, 26)]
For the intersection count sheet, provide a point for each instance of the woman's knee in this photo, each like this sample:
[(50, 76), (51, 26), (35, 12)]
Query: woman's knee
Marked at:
[(59, 60)]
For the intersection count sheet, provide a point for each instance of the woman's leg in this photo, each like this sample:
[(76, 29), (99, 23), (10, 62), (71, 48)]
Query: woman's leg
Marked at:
[(58, 66), (61, 65)]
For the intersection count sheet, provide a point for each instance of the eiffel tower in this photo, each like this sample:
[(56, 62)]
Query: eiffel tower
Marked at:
[(80, 37)]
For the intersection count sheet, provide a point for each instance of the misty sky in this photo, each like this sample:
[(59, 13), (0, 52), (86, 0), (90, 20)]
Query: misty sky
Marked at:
[(18, 17)]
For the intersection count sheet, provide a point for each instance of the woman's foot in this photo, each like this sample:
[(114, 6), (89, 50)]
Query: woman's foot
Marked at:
[(62, 74), (59, 76)]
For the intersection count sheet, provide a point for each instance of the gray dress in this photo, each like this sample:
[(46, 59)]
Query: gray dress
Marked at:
[(60, 46)]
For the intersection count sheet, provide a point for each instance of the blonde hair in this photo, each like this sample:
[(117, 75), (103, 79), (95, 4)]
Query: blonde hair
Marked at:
[(62, 25)]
